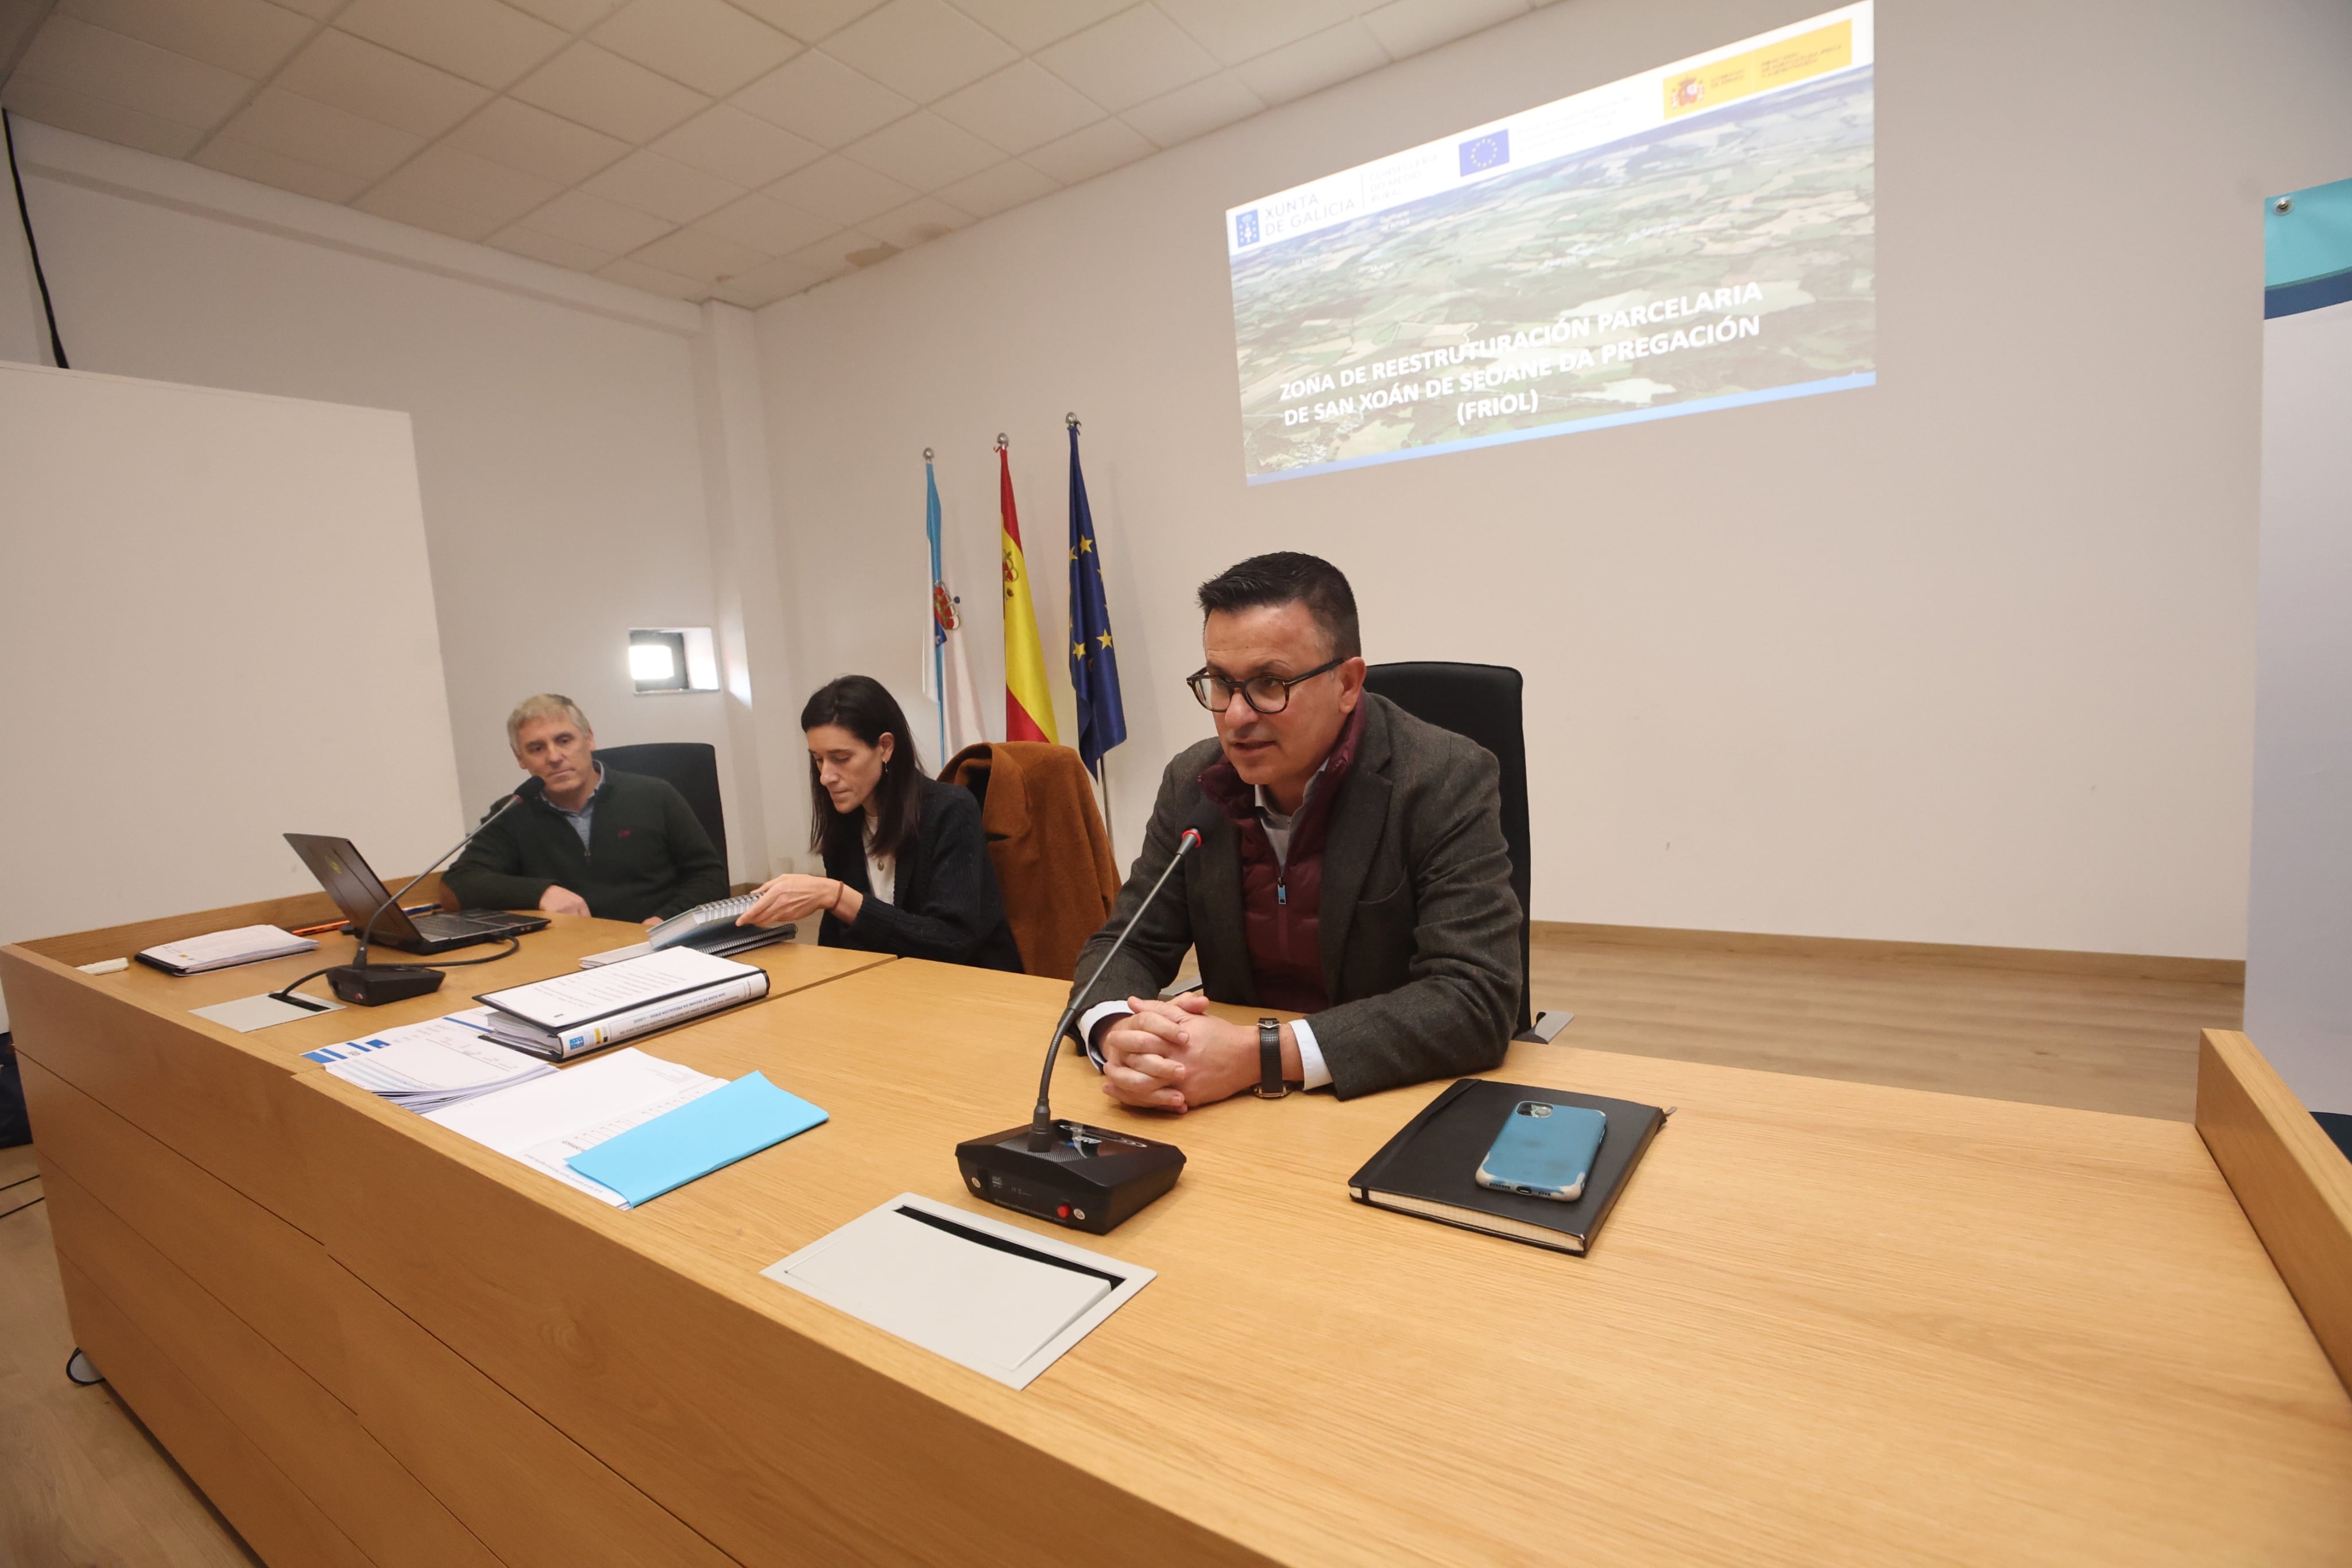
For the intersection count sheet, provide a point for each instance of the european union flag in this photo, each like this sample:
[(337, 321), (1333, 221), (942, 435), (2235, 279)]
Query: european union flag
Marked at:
[(1094, 658), (1246, 228), (1491, 150)]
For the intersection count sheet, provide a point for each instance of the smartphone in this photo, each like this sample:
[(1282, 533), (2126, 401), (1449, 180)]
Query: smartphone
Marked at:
[(1544, 1151)]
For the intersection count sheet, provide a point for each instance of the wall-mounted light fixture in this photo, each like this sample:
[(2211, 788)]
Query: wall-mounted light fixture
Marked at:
[(673, 659)]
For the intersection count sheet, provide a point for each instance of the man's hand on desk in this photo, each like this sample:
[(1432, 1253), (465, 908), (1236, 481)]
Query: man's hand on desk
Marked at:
[(561, 901), (1174, 1056), (792, 898)]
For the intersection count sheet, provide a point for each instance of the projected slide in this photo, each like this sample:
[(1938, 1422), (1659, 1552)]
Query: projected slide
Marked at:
[(1696, 237)]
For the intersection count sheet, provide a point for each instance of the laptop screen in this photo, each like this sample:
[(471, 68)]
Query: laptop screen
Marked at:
[(346, 876)]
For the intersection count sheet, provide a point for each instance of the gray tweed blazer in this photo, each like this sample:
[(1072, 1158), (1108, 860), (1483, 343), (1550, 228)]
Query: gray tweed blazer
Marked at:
[(1420, 931)]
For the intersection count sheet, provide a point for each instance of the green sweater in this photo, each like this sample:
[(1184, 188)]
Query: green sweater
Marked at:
[(646, 855)]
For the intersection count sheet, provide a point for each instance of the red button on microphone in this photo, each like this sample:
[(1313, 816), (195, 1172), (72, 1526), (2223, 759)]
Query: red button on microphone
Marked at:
[(1062, 1211)]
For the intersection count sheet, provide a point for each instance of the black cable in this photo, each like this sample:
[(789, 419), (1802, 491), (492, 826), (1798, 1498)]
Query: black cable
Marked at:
[(32, 248), (513, 945)]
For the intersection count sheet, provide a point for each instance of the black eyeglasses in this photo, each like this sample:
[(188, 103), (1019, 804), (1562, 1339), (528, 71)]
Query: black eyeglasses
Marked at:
[(1265, 693)]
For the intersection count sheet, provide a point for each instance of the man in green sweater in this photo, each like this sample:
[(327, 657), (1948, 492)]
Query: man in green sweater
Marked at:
[(599, 841)]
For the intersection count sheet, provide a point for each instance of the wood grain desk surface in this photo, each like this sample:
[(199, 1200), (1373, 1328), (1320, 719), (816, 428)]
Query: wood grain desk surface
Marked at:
[(1827, 1322)]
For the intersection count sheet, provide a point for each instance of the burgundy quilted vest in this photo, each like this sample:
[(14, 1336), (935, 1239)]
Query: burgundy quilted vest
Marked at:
[(1282, 903)]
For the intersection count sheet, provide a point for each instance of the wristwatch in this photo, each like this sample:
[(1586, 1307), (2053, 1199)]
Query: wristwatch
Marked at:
[(1270, 1085)]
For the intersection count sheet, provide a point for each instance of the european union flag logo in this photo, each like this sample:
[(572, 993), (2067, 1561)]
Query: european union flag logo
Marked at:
[(1094, 655), (1491, 150), (1246, 228)]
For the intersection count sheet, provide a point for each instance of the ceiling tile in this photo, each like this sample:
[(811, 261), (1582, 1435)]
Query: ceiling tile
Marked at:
[(260, 164), (1019, 108), (1194, 111), (692, 253), (1297, 69), (295, 127), (654, 280), (844, 191), (370, 80), (916, 223), (1097, 150), (993, 191), (1033, 24), (1238, 30), (1409, 26), (833, 255), (513, 133), (618, 96), (768, 225), (571, 15), (250, 37), (1134, 56), (923, 151), (70, 110), (706, 44), (808, 20), (767, 283), (733, 145), (653, 184), (112, 69), (445, 174), (922, 48), (547, 248), (480, 40), (818, 97), (319, 10), (18, 20), (587, 219), (402, 206)]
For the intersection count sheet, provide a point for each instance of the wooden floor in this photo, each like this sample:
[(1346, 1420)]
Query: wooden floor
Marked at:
[(82, 1482)]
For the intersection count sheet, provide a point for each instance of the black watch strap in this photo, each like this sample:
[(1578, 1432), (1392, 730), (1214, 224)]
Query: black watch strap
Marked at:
[(1270, 1085)]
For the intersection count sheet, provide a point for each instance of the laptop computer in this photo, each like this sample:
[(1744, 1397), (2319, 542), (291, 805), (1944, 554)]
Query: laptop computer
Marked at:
[(357, 891)]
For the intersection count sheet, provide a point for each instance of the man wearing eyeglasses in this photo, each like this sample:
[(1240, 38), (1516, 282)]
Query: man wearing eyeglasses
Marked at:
[(1353, 870)]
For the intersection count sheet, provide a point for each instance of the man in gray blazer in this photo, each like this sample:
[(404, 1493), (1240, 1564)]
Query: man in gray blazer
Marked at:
[(1352, 868)]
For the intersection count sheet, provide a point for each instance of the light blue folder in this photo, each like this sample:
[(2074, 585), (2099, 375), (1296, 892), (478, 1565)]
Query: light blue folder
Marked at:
[(698, 1138)]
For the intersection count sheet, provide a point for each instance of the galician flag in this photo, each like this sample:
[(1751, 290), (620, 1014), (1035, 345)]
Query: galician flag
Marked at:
[(1028, 704), (1094, 659), (947, 675)]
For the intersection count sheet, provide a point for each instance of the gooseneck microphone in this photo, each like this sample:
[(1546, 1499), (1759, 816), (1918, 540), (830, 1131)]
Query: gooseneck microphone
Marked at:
[(1040, 1122), (1088, 1179), (365, 985)]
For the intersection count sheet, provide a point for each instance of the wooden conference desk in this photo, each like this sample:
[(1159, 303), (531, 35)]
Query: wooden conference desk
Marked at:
[(1831, 1322)]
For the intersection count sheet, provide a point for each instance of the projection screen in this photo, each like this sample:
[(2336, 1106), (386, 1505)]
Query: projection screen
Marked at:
[(1696, 237)]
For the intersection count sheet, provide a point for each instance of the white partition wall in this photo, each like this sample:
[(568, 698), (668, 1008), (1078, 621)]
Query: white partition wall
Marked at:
[(217, 623)]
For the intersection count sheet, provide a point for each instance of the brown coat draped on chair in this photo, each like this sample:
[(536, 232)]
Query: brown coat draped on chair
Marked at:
[(1047, 839)]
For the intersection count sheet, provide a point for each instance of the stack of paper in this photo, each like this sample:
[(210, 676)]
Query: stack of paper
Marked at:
[(544, 1124), (429, 1066), (570, 1014), (223, 950)]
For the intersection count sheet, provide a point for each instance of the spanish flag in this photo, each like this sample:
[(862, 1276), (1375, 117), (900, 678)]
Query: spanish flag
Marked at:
[(1028, 706)]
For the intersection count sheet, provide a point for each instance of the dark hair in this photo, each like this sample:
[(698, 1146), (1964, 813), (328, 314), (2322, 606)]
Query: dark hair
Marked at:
[(860, 705), (1286, 577)]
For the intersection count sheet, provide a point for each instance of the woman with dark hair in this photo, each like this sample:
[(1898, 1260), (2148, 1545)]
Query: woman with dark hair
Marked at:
[(905, 864)]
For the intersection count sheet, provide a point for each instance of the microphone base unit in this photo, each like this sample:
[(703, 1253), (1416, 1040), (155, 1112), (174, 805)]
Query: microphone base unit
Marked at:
[(1089, 1180), (373, 985)]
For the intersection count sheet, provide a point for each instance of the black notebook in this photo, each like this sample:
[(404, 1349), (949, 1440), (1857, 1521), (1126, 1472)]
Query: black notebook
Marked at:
[(1430, 1168)]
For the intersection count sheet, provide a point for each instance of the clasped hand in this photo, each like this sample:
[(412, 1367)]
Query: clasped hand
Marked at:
[(1173, 1056)]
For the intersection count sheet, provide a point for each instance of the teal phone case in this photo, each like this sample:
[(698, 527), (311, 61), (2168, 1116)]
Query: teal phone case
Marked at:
[(1544, 1151)]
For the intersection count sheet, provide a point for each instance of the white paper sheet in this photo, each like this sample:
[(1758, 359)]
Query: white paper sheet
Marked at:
[(543, 1121), (428, 1066), (996, 1311)]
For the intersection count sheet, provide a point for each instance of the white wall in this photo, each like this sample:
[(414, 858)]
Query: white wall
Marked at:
[(160, 740), (2299, 938), (1964, 657), (557, 439)]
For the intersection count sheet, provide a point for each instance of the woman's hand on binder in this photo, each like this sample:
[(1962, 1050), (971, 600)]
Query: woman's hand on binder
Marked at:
[(792, 897)]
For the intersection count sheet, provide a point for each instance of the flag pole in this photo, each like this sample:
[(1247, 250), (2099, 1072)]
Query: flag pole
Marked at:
[(1102, 781)]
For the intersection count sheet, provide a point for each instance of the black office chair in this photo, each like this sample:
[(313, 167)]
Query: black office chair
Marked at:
[(1480, 702), (689, 766)]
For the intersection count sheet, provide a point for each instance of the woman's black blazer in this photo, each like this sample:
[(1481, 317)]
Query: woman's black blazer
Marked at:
[(947, 907)]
